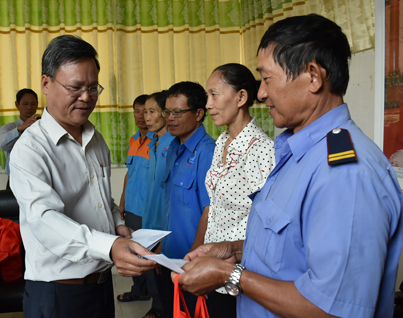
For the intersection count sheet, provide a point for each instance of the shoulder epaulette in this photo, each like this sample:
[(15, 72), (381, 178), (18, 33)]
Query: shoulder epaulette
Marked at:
[(340, 148)]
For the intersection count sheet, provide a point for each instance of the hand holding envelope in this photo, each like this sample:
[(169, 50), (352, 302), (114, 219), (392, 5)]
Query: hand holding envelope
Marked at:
[(149, 239)]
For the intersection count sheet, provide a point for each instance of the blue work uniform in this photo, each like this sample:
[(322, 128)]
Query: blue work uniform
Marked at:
[(185, 194), (335, 231), (154, 214), (137, 163)]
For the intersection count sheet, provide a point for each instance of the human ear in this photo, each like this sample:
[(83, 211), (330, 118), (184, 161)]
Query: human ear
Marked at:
[(45, 80), (199, 114), (242, 97), (317, 75)]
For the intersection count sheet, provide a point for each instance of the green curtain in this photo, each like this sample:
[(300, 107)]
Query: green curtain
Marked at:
[(145, 46)]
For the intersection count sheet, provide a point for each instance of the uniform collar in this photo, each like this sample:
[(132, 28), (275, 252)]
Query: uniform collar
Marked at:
[(150, 135), (310, 135), (192, 142)]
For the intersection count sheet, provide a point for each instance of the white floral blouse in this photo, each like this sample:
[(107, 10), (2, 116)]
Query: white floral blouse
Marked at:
[(248, 163)]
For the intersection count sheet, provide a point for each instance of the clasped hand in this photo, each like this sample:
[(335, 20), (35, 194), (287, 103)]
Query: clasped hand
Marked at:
[(209, 267)]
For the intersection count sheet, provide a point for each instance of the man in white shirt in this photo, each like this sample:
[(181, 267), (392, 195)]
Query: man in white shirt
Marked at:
[(27, 104), (61, 179)]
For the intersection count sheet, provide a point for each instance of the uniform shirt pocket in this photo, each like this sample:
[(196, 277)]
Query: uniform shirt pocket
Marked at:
[(271, 235), (182, 190), (129, 160)]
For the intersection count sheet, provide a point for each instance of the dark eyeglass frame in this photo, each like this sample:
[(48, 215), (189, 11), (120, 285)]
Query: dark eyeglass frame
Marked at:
[(177, 113), (76, 91)]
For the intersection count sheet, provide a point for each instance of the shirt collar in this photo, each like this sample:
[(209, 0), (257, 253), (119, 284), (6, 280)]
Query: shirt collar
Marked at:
[(192, 142), (162, 139), (149, 135), (56, 131), (165, 136), (242, 142), (310, 135)]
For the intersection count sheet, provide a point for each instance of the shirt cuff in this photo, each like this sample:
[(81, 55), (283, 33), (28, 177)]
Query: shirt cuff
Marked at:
[(101, 245)]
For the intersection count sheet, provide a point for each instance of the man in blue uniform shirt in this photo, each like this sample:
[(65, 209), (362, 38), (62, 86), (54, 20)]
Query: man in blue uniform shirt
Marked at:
[(325, 233), (188, 160), (134, 189)]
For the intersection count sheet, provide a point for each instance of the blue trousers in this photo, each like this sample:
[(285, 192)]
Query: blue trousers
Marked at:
[(54, 300)]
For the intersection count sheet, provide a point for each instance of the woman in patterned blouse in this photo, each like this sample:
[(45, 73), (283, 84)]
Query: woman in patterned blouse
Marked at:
[(243, 158)]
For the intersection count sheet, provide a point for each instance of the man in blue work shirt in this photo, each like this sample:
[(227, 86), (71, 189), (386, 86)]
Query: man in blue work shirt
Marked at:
[(132, 199), (188, 160), (324, 234)]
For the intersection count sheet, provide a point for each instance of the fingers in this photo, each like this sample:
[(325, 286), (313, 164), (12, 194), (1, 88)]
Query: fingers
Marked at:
[(125, 254), (124, 231), (203, 275), (173, 274)]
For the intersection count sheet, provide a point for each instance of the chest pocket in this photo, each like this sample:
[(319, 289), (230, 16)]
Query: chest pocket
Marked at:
[(182, 189), (129, 161), (271, 234)]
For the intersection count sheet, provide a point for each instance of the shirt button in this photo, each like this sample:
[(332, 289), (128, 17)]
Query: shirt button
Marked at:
[(181, 183), (336, 131), (92, 176), (100, 205), (176, 164)]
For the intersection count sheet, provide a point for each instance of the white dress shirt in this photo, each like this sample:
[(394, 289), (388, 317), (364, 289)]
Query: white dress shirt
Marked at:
[(67, 215), (9, 134)]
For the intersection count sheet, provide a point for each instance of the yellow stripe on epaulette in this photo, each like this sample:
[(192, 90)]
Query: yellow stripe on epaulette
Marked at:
[(340, 148), (342, 155)]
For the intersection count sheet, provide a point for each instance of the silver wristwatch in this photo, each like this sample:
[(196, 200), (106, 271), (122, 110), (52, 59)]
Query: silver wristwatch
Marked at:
[(232, 284)]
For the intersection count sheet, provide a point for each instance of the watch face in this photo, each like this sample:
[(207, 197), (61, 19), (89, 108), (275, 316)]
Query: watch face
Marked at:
[(232, 289)]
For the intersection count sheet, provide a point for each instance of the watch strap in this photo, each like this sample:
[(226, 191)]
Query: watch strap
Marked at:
[(236, 273)]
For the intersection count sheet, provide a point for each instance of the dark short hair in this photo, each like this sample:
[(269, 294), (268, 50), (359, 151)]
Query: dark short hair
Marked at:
[(24, 91), (297, 41), (141, 100), (64, 49), (194, 92), (160, 98), (239, 77)]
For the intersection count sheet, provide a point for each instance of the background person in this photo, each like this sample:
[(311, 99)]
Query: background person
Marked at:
[(185, 195), (27, 104), (154, 214), (60, 171), (325, 232), (132, 199), (243, 158)]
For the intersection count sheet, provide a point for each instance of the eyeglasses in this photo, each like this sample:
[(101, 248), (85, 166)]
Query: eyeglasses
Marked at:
[(177, 113), (76, 91)]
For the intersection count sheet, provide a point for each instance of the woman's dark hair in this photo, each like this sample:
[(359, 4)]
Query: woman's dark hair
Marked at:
[(297, 41), (64, 49), (160, 98), (24, 91), (239, 77)]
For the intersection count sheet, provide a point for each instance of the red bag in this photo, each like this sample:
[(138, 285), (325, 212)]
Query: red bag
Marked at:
[(201, 307), (10, 256)]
